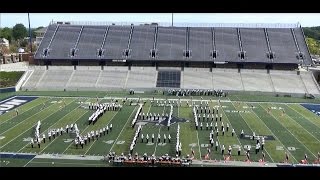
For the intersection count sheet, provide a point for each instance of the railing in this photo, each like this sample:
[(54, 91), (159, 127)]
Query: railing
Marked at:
[(53, 36), (239, 39), (267, 39), (213, 39), (41, 41), (104, 37), (295, 40), (182, 24), (130, 37), (155, 37), (78, 39)]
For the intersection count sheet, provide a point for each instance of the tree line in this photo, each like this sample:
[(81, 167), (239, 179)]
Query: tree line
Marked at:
[(16, 37), (313, 39)]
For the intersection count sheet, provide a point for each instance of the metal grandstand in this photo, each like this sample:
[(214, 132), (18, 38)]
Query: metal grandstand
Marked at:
[(276, 44)]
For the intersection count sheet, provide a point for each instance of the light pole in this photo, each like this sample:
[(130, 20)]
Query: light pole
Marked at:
[(172, 19), (30, 34)]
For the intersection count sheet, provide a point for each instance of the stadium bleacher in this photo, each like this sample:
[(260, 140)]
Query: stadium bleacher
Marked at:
[(171, 42), (214, 61)]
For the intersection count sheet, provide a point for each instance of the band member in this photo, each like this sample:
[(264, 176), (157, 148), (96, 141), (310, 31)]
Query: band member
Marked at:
[(192, 152), (32, 142), (222, 149), (212, 143), (229, 150), (248, 156), (49, 135), (306, 157), (142, 138)]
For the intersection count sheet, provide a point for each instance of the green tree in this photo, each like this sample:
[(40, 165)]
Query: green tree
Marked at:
[(6, 33), (13, 48), (19, 31), (24, 43), (312, 32), (314, 46)]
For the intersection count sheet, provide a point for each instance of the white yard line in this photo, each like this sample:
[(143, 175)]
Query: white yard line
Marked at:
[(293, 135), (72, 141), (50, 127), (27, 129), (294, 121), (26, 119), (107, 124), (199, 145), (20, 113), (251, 129), (122, 129), (80, 134), (303, 116), (231, 127), (68, 123), (155, 149), (274, 135), (29, 161)]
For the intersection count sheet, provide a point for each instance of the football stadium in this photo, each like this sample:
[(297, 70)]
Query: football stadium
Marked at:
[(102, 95)]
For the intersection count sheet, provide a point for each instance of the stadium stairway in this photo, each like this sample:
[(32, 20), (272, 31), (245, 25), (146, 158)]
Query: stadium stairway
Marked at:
[(68, 83), (310, 83), (40, 79)]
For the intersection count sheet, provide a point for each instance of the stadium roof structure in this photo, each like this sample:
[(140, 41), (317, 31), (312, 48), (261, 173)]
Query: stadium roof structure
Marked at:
[(218, 43)]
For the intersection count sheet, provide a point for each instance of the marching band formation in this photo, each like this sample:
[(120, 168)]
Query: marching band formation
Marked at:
[(197, 92), (101, 109), (205, 118)]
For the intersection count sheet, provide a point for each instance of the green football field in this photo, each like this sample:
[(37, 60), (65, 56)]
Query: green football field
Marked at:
[(289, 127)]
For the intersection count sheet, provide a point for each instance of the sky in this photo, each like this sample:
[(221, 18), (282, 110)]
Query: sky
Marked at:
[(43, 19)]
